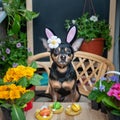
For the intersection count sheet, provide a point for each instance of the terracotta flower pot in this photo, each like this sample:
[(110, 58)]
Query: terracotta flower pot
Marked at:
[(95, 46)]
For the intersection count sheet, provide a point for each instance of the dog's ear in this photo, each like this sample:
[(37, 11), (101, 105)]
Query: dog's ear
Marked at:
[(45, 44), (48, 33), (71, 34), (77, 43)]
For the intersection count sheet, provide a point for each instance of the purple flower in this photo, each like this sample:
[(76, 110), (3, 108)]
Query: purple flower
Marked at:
[(114, 78), (18, 45), (15, 65), (7, 50), (29, 50), (3, 58), (102, 88), (103, 78)]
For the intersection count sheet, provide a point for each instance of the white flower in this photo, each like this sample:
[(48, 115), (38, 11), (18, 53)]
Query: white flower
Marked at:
[(54, 42), (94, 18), (73, 22)]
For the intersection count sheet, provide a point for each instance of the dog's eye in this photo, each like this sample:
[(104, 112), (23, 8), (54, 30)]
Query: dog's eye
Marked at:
[(68, 51), (56, 52)]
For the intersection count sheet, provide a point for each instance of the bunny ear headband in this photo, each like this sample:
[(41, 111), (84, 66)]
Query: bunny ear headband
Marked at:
[(54, 41)]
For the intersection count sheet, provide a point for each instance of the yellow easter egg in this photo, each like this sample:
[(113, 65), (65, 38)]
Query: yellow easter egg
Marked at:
[(75, 107)]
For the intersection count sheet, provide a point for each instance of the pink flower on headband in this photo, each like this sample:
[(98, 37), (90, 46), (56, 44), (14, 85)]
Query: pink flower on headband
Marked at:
[(54, 42)]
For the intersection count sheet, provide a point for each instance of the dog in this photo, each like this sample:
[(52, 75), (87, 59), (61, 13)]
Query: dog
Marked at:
[(62, 77)]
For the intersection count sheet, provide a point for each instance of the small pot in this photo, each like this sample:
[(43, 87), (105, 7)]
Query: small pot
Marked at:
[(6, 113), (95, 46), (112, 117)]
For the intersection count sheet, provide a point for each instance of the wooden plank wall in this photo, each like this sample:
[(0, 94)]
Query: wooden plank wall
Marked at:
[(30, 27), (112, 14), (111, 22)]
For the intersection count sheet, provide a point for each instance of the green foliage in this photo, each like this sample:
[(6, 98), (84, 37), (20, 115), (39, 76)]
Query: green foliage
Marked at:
[(17, 16), (13, 52), (89, 27), (33, 65), (17, 113), (25, 98), (100, 95), (35, 80), (16, 107), (96, 94)]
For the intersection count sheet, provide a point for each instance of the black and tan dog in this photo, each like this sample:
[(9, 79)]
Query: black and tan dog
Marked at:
[(63, 79)]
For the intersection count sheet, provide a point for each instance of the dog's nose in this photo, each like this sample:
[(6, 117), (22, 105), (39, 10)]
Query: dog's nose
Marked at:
[(63, 57)]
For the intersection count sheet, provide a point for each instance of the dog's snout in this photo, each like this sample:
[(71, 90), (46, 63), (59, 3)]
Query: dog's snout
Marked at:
[(63, 57)]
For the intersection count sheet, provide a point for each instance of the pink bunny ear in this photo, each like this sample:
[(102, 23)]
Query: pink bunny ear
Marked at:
[(71, 34), (49, 33)]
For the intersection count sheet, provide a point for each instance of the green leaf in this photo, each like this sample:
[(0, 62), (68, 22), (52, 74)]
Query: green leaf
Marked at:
[(116, 112), (29, 15), (33, 65), (35, 80), (17, 113), (1, 81), (4, 104), (109, 102), (96, 95), (25, 98), (23, 82), (16, 24), (101, 96)]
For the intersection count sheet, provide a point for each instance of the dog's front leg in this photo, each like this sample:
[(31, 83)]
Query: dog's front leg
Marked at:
[(72, 97), (55, 96), (69, 98), (55, 85)]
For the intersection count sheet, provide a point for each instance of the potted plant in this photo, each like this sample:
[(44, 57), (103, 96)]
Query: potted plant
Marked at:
[(14, 92), (90, 28), (12, 101), (107, 92)]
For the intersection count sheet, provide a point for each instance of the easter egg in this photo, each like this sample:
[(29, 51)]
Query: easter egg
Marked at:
[(56, 105), (45, 112), (75, 107)]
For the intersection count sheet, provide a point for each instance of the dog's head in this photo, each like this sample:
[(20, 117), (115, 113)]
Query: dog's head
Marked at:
[(62, 53)]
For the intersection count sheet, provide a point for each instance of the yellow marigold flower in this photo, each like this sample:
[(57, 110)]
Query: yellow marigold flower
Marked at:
[(1, 95), (29, 74), (2, 88), (12, 87), (14, 94), (14, 74), (11, 91), (5, 95)]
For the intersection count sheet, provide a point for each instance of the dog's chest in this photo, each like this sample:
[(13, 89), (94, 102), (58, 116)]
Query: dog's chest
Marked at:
[(62, 82), (60, 76)]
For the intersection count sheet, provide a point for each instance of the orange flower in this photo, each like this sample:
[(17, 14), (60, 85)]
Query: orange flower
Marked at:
[(11, 91), (14, 74)]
